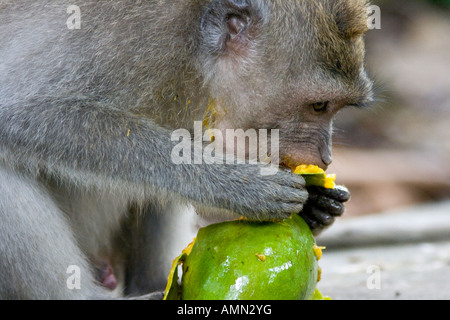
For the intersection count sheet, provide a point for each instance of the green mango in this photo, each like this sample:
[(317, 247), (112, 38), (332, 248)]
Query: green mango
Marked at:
[(244, 260)]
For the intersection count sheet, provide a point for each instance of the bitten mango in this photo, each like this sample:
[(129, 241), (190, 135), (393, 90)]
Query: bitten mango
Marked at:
[(249, 260), (245, 260)]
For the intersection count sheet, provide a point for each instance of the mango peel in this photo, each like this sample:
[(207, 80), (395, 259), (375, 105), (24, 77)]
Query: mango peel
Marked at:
[(315, 176), (244, 260)]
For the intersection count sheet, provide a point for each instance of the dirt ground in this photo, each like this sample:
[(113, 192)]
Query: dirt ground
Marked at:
[(400, 254)]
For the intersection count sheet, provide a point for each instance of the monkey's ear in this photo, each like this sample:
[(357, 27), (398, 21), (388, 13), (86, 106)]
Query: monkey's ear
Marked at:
[(229, 25)]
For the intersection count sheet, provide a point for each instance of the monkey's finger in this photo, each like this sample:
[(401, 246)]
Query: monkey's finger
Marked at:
[(324, 218), (288, 180), (291, 195), (289, 208), (329, 205), (276, 210), (316, 219), (339, 193)]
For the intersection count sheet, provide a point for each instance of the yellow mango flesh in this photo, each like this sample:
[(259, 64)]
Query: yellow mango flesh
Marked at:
[(315, 176)]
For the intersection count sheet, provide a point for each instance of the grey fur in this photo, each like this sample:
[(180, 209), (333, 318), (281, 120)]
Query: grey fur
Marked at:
[(86, 117)]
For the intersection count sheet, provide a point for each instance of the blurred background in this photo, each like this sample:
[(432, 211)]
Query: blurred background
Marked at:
[(398, 153), (394, 241)]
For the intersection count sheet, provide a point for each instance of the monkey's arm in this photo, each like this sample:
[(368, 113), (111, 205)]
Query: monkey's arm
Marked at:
[(324, 206), (91, 145)]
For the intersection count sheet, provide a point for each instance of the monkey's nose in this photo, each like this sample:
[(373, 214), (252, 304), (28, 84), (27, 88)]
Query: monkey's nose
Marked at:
[(323, 162), (327, 160), (322, 166), (326, 157)]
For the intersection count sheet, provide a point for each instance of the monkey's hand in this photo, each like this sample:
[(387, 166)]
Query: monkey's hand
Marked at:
[(244, 190), (278, 194), (324, 206)]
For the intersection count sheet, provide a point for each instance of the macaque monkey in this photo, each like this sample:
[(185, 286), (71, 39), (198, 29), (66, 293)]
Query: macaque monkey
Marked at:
[(89, 99)]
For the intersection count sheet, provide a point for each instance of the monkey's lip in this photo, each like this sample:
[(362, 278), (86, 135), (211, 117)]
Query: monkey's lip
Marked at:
[(288, 166)]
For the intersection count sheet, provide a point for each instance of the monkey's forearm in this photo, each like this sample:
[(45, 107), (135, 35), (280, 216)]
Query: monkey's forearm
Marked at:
[(84, 142), (91, 145)]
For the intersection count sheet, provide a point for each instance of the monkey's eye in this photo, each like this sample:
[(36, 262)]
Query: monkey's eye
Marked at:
[(320, 106)]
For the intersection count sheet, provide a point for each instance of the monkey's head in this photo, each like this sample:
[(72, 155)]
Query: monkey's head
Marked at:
[(288, 65)]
